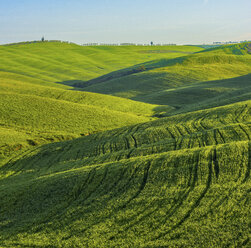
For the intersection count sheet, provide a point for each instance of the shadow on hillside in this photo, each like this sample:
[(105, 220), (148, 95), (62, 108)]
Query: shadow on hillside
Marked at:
[(174, 94), (138, 68), (204, 95), (72, 83)]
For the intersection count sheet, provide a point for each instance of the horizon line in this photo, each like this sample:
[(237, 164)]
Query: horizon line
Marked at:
[(127, 43)]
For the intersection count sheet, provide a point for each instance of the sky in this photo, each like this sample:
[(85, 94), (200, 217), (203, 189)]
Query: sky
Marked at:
[(117, 21)]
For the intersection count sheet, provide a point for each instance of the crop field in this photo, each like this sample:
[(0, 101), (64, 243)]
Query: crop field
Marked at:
[(150, 152)]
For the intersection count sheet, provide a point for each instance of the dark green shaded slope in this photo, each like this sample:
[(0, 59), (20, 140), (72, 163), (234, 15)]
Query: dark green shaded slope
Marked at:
[(204, 95)]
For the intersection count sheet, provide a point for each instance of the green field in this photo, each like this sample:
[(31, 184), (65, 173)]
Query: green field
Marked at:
[(128, 146)]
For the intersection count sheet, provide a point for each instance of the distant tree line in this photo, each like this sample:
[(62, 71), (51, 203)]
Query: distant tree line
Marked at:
[(125, 44), (229, 42)]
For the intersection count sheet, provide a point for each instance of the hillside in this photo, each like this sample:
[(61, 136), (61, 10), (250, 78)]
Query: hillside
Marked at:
[(45, 63), (41, 114), (153, 83), (41, 119), (125, 146), (178, 181)]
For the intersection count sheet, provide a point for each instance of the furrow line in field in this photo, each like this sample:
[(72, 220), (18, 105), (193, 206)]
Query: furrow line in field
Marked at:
[(129, 153), (215, 137), (135, 141), (216, 164), (193, 178), (180, 139), (222, 137), (192, 182), (197, 202), (127, 144), (199, 141), (179, 131), (188, 131), (219, 201), (241, 112), (248, 168), (194, 126), (80, 186), (142, 185), (244, 131), (103, 148), (201, 122), (98, 184), (173, 137), (189, 143), (179, 145)]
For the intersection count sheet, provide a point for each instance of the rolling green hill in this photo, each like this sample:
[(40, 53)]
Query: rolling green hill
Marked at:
[(133, 179), (150, 82), (41, 119), (36, 105), (50, 62)]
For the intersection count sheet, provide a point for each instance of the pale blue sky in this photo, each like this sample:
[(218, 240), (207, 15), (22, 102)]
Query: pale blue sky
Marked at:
[(139, 21)]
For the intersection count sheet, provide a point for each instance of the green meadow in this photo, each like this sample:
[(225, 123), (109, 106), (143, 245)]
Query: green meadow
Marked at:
[(125, 146)]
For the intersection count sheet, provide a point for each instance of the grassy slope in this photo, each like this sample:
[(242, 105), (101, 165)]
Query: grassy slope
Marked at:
[(151, 85), (207, 94), (178, 181), (87, 98), (45, 114)]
